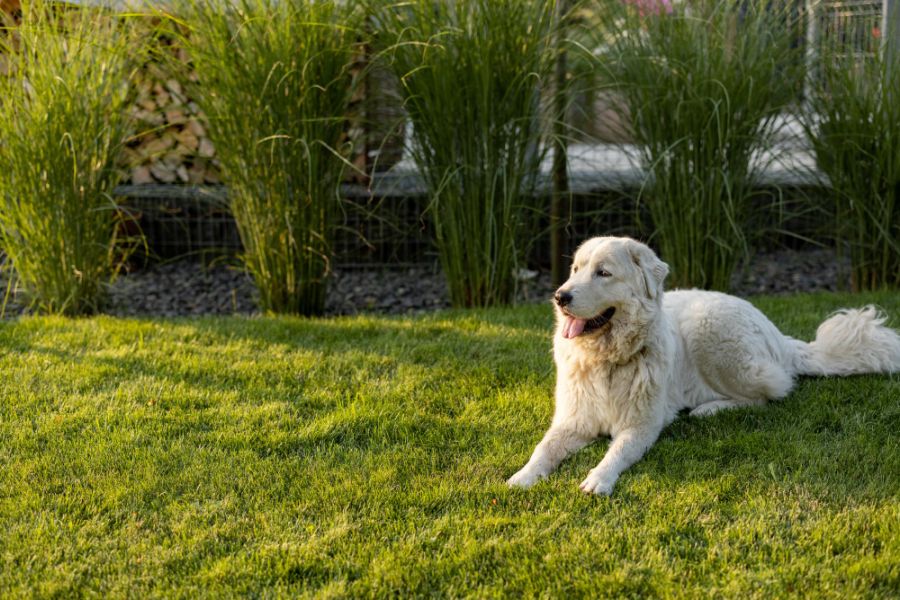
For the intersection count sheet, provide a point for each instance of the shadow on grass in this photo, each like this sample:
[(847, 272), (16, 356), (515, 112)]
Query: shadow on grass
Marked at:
[(388, 386)]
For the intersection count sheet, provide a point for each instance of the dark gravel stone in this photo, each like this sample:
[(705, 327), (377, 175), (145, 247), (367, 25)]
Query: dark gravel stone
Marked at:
[(790, 271), (188, 288)]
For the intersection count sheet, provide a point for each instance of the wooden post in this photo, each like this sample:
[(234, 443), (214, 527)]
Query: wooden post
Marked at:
[(559, 207)]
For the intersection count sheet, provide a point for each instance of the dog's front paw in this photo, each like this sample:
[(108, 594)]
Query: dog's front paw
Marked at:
[(597, 483), (524, 479)]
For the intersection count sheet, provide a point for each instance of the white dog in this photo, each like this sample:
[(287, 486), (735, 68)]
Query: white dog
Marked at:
[(629, 357)]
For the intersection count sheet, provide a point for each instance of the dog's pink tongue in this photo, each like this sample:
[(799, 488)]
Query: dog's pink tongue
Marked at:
[(573, 327)]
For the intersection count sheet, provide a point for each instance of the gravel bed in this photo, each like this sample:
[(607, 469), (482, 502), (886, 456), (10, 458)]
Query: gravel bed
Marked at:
[(187, 288), (791, 271)]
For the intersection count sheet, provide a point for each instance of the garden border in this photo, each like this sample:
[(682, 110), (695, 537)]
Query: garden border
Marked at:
[(385, 223)]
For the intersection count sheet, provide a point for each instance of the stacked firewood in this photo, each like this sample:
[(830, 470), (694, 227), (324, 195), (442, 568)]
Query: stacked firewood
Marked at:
[(173, 148), (172, 145)]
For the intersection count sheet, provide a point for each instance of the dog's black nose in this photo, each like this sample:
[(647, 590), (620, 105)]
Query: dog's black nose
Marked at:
[(562, 298)]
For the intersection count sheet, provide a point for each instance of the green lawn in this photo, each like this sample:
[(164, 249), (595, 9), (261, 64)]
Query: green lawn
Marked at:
[(366, 457)]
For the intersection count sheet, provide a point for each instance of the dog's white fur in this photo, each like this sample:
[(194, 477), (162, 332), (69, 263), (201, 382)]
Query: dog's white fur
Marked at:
[(664, 352)]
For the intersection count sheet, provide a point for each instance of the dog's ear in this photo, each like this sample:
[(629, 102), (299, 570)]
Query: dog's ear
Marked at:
[(654, 270)]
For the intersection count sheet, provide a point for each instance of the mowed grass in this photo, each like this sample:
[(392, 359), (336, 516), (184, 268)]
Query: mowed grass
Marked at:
[(362, 457)]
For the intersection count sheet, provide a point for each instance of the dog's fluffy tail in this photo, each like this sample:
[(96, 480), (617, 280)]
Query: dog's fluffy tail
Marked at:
[(851, 341)]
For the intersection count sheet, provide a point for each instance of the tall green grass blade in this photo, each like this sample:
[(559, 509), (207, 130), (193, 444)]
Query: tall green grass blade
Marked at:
[(64, 120), (471, 72), (275, 80), (702, 86), (854, 126)]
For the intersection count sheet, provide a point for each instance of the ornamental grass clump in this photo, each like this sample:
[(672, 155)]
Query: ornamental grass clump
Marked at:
[(63, 102), (471, 72), (275, 79), (702, 84), (853, 122)]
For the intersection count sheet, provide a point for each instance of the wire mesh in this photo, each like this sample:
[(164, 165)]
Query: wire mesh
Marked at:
[(185, 221), (852, 24), (392, 229)]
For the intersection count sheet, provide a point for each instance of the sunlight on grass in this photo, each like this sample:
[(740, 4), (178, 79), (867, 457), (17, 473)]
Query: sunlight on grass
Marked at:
[(366, 456)]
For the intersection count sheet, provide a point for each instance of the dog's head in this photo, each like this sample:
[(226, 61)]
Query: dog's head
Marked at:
[(609, 275)]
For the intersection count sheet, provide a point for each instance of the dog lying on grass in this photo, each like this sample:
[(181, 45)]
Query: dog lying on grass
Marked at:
[(629, 357)]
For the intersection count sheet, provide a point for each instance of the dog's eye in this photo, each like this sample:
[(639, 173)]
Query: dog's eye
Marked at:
[(603, 273), (575, 268)]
